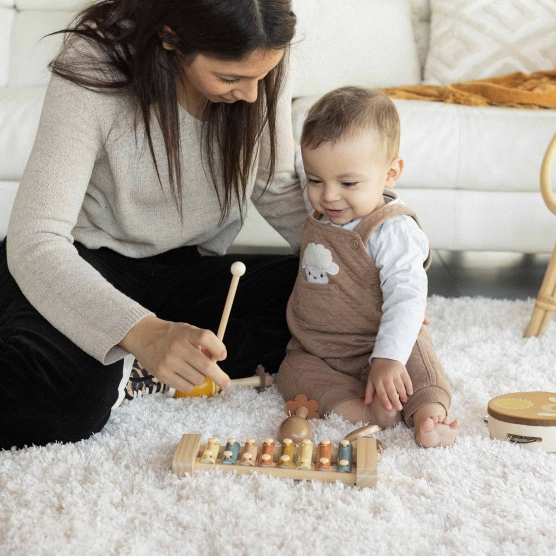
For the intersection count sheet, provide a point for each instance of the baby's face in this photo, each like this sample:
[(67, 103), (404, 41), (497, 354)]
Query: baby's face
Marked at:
[(346, 179)]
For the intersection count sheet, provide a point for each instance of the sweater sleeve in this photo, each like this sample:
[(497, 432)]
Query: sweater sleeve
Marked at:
[(66, 290), (281, 204)]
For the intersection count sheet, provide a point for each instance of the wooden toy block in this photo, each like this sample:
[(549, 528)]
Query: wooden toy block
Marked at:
[(361, 470)]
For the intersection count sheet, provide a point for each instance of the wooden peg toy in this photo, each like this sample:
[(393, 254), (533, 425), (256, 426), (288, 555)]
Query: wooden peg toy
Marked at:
[(250, 451), (350, 464), (267, 453), (324, 455), (230, 452), (297, 427), (286, 453), (305, 458), (345, 456)]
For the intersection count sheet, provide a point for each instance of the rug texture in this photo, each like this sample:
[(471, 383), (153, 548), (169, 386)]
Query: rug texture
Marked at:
[(115, 494)]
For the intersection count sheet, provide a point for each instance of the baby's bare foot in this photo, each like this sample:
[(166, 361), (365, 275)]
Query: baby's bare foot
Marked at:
[(436, 431)]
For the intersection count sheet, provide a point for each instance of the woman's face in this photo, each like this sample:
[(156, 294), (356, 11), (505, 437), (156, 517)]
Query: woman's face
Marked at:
[(228, 81)]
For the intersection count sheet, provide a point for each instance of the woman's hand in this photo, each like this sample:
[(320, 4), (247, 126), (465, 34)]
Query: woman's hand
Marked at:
[(176, 353), (391, 383)]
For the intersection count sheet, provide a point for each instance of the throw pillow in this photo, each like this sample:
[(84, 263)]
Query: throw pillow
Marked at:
[(476, 39)]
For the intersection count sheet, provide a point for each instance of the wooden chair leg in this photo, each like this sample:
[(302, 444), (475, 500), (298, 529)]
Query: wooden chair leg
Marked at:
[(545, 305)]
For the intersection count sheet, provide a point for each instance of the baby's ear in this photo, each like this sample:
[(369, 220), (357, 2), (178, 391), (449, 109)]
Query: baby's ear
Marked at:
[(394, 173)]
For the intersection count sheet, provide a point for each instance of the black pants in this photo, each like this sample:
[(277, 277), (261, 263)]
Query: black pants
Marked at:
[(51, 390)]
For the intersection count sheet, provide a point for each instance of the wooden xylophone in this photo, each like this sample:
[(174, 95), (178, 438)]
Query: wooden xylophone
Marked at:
[(351, 462)]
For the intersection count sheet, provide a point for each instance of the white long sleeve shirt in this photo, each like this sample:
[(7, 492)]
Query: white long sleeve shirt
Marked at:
[(398, 248)]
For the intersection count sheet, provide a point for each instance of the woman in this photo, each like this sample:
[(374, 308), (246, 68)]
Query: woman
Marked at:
[(162, 117)]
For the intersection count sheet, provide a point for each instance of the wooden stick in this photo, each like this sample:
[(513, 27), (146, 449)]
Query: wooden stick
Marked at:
[(238, 270), (546, 185), (252, 381)]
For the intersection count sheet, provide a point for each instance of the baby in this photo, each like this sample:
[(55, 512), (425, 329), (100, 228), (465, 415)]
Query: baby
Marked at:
[(361, 290)]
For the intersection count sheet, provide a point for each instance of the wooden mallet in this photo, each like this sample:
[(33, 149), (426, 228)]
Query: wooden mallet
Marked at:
[(209, 388)]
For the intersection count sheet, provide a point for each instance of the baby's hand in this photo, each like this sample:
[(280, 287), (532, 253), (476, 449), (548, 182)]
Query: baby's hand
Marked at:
[(390, 381)]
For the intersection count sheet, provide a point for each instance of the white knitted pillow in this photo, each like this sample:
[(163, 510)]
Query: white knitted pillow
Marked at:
[(476, 39)]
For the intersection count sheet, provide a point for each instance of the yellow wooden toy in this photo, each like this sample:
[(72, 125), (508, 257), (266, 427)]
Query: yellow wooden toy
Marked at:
[(524, 418)]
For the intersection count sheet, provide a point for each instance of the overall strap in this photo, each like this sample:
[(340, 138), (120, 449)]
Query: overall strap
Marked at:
[(373, 221)]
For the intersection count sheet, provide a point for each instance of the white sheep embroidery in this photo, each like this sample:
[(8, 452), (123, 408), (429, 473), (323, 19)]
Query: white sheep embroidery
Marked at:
[(317, 262)]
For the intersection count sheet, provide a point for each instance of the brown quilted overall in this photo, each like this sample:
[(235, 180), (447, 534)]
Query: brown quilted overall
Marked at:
[(334, 325)]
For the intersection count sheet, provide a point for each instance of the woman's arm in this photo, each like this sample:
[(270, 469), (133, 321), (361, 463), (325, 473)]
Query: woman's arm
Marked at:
[(65, 289), (282, 204), (61, 285)]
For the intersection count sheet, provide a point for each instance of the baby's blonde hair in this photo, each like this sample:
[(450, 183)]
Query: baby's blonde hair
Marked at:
[(349, 110)]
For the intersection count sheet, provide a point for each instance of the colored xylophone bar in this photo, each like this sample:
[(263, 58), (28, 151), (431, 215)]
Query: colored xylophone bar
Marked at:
[(321, 463)]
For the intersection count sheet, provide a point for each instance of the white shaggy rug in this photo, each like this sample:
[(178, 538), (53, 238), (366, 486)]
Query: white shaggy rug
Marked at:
[(115, 494)]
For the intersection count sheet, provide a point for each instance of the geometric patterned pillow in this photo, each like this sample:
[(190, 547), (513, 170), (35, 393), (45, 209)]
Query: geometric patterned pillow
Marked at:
[(476, 39)]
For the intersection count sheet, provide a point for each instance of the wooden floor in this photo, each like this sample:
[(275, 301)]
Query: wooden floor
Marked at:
[(498, 275)]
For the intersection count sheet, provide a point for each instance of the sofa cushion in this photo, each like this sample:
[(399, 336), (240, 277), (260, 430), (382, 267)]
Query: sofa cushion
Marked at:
[(449, 146), (30, 55), (359, 42), (73, 5), (476, 39), (7, 197), (20, 109), (7, 16)]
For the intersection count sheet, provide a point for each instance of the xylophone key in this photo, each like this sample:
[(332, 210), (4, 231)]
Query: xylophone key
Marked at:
[(250, 452), (345, 456), (286, 453), (324, 455), (231, 452), (211, 452), (305, 454), (267, 453)]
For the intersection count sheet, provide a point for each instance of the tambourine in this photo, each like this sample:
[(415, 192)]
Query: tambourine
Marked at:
[(524, 418)]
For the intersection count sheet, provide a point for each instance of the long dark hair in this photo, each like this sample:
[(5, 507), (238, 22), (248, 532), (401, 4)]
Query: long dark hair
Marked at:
[(129, 34)]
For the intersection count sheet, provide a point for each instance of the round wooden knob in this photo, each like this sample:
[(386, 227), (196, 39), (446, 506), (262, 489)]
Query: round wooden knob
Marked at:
[(296, 429), (265, 457), (227, 454), (238, 269), (268, 441)]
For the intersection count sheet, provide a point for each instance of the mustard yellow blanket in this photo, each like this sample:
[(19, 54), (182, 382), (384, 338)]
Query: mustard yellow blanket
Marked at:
[(536, 90)]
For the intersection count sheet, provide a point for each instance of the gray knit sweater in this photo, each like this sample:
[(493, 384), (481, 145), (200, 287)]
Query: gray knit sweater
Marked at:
[(87, 179)]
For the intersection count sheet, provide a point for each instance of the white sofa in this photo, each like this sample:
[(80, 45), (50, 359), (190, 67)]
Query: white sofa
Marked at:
[(471, 173)]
